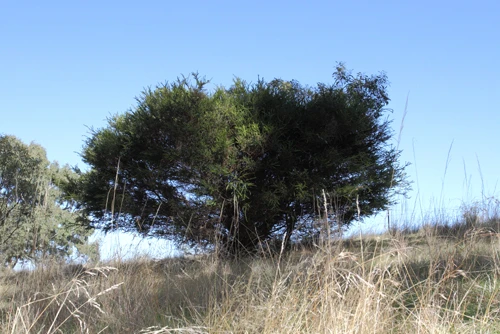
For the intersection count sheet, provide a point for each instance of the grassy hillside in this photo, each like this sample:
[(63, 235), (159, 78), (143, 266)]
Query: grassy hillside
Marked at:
[(439, 278)]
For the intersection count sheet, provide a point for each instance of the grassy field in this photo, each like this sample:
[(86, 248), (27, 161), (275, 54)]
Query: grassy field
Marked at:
[(438, 278)]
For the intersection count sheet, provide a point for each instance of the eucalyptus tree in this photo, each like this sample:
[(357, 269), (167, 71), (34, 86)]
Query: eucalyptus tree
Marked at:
[(37, 219), (240, 165)]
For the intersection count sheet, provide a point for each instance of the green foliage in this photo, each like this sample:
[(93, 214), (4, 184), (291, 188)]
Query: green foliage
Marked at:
[(245, 164), (37, 219)]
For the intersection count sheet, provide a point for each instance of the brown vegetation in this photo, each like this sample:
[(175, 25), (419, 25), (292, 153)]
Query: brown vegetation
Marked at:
[(436, 279)]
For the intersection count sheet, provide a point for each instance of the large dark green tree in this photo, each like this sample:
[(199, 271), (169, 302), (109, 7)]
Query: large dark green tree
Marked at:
[(37, 218), (244, 164)]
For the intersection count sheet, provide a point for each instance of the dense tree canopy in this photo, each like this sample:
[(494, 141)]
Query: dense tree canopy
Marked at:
[(240, 165), (36, 218)]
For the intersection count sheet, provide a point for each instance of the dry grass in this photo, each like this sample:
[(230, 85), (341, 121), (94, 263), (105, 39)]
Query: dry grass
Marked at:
[(437, 279)]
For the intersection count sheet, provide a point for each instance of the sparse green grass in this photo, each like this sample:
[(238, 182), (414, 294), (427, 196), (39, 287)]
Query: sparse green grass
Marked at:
[(435, 279)]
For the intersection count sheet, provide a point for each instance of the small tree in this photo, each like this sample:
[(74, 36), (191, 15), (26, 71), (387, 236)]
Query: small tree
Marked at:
[(36, 218), (245, 164)]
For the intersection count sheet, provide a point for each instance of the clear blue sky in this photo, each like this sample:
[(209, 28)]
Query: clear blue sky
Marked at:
[(66, 65)]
